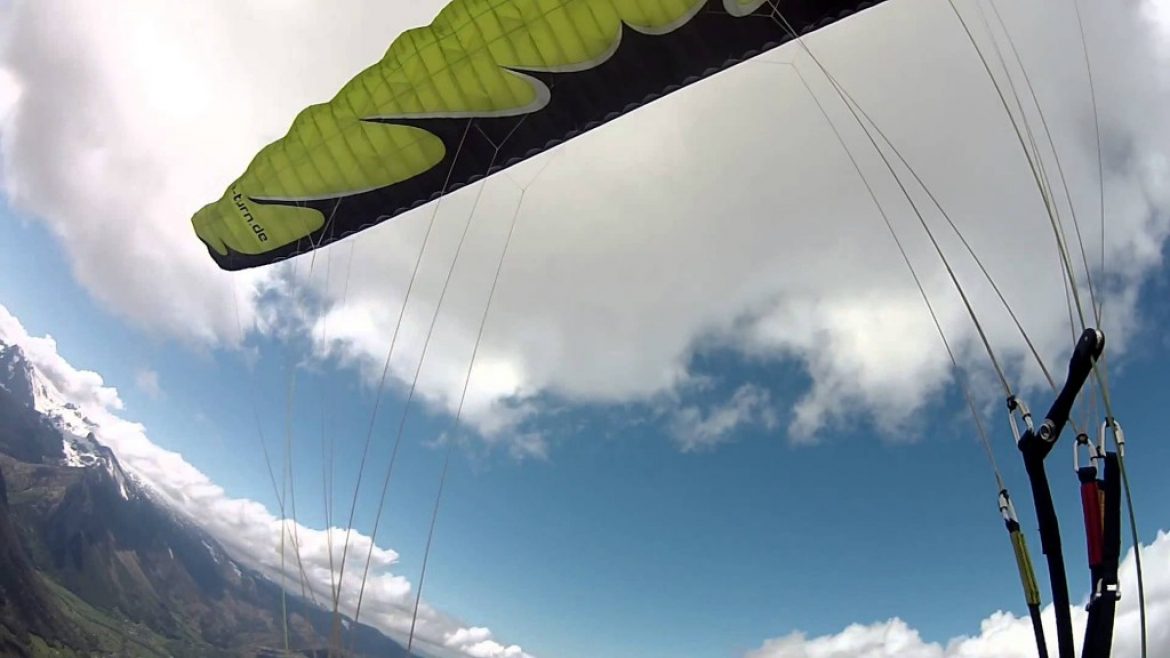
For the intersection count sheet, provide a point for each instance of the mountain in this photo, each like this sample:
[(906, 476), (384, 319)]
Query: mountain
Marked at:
[(24, 434), (27, 608), (93, 563)]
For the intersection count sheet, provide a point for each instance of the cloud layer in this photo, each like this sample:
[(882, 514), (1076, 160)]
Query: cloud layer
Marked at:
[(246, 528)]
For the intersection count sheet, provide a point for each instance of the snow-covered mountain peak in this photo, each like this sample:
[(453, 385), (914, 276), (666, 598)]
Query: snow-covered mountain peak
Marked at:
[(79, 442), (32, 388)]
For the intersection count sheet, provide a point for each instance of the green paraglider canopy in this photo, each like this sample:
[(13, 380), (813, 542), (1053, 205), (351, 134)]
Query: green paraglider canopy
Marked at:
[(486, 85)]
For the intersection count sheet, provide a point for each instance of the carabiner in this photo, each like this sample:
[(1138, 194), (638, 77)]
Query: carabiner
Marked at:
[(1016, 405), (1094, 453), (1118, 437)]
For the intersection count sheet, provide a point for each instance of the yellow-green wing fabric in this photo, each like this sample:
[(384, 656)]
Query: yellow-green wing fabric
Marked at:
[(487, 84)]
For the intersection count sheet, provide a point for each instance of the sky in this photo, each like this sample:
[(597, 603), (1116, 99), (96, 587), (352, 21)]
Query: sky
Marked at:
[(709, 414)]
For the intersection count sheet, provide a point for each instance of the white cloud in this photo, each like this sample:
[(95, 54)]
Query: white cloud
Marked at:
[(147, 381), (1001, 635), (249, 531), (611, 286), (82, 387), (478, 642), (9, 94), (125, 125), (726, 214), (9, 86), (892, 638), (695, 429)]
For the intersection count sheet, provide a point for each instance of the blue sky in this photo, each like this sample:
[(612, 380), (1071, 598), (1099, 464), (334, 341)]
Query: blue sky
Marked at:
[(684, 436)]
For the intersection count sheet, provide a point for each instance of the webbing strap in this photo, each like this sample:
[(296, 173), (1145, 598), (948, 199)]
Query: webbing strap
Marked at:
[(1091, 507), (1103, 602), (1024, 566)]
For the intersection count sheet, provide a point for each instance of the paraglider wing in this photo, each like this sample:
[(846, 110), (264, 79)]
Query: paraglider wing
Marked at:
[(487, 84)]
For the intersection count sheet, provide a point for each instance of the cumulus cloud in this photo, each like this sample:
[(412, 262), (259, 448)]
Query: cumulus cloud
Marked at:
[(478, 642), (248, 530), (726, 214), (1001, 635), (696, 429), (611, 288), (82, 387), (9, 93), (125, 124), (9, 86)]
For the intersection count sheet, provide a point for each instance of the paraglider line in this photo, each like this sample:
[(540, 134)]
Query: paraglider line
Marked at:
[(1023, 557), (1100, 164), (463, 397), (382, 380)]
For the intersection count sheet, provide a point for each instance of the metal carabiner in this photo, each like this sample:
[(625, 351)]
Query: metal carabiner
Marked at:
[(1016, 405), (1094, 453), (1102, 589), (1118, 437)]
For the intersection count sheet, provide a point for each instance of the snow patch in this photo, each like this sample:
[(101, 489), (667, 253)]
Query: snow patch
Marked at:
[(80, 451), (119, 479), (113, 469), (211, 550), (77, 430)]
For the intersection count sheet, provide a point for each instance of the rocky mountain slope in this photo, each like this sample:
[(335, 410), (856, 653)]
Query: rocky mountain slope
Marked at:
[(91, 563)]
